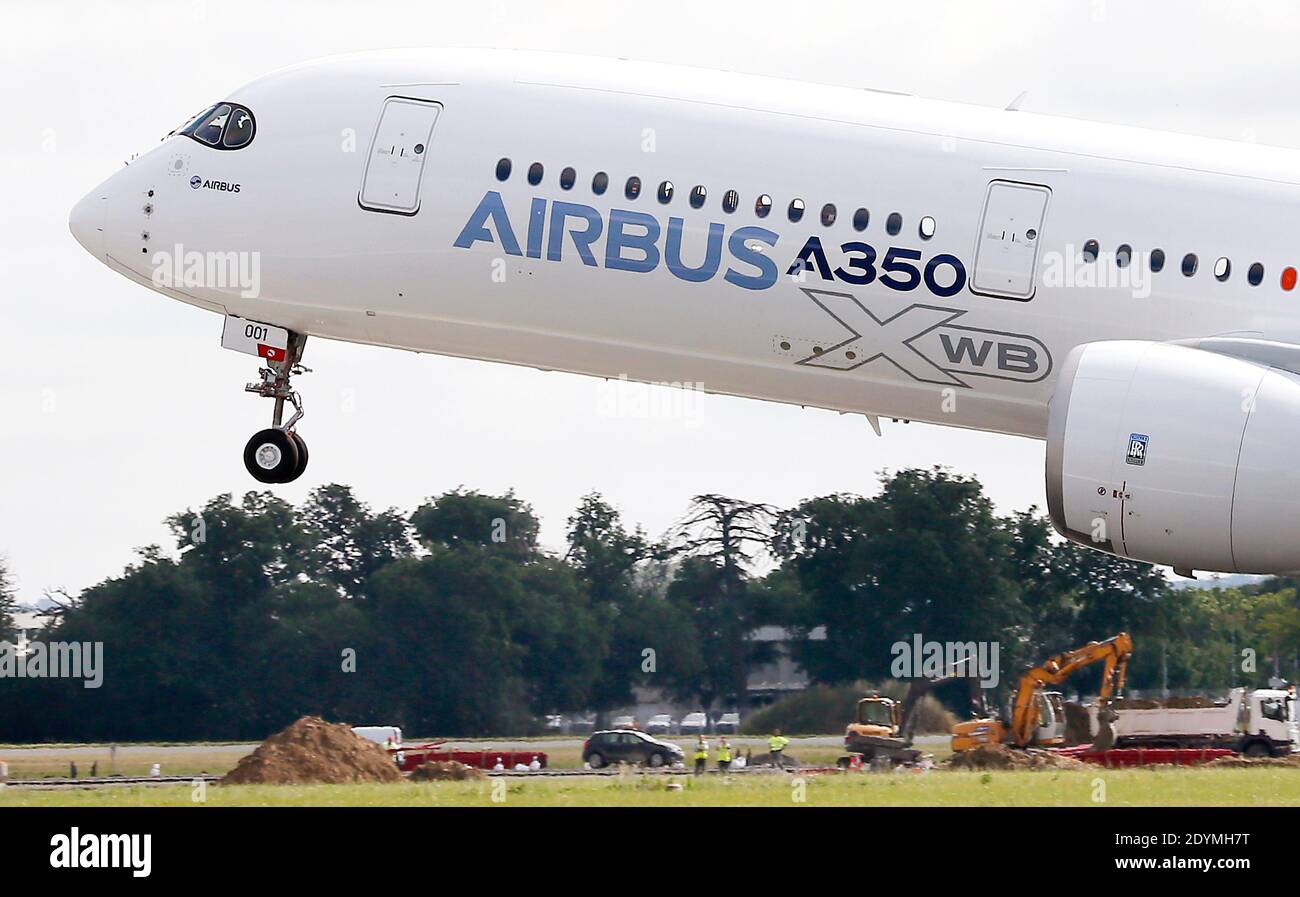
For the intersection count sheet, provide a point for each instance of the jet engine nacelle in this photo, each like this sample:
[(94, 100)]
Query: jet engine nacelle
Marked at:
[(1177, 455)]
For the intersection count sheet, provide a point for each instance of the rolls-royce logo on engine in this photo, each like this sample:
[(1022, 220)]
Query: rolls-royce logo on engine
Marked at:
[(1137, 449)]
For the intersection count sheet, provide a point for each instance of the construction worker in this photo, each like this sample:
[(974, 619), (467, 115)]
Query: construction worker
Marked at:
[(701, 755), (776, 748), (724, 755)]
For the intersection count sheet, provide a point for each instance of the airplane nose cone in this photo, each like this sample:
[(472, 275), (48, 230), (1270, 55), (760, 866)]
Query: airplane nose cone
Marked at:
[(87, 222)]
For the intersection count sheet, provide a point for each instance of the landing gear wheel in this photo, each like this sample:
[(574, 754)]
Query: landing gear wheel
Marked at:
[(271, 456), (302, 455)]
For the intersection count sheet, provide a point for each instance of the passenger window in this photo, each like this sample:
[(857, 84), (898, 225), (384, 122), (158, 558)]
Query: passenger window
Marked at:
[(239, 129), (730, 200), (1123, 255), (861, 218), (698, 195), (1157, 260), (1091, 250), (1222, 269), (535, 173), (503, 169), (567, 178), (1255, 275), (599, 183), (633, 188), (762, 206), (1189, 264), (666, 191), (926, 230), (893, 224), (828, 214), (795, 212)]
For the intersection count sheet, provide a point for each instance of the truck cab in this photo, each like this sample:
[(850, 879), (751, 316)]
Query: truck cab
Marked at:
[(1268, 722)]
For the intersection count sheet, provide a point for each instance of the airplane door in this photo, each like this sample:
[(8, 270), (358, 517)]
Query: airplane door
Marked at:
[(395, 165), (1010, 232)]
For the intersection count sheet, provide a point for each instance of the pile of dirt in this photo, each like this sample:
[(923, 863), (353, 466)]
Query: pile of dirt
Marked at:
[(788, 761), (1196, 701), (1289, 760), (310, 751), (1188, 703), (999, 756), (1078, 725), (449, 771)]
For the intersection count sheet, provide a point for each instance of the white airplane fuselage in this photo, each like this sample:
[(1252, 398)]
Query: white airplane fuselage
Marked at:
[(330, 267)]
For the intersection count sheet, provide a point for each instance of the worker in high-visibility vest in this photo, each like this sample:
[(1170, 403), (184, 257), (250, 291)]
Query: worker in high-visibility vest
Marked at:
[(701, 755), (776, 748), (724, 755)]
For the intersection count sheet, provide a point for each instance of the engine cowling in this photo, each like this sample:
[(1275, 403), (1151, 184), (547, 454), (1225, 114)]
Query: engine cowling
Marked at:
[(1177, 455)]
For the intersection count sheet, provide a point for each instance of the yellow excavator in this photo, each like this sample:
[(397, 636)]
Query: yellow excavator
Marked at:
[(1032, 704), (884, 729)]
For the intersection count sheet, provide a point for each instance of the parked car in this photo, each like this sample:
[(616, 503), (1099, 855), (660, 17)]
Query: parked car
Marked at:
[(611, 746), (623, 722), (580, 724), (728, 723), (661, 723), (695, 723)]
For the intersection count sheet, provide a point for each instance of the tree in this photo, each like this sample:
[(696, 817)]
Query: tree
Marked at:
[(720, 538), (355, 542), (926, 557), (459, 517), (606, 556), (8, 605)]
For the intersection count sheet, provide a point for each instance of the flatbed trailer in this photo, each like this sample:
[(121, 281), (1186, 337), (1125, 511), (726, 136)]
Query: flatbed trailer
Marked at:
[(408, 757), (1146, 756)]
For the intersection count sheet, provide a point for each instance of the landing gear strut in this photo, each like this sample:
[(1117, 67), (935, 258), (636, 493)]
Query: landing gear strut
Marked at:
[(278, 454)]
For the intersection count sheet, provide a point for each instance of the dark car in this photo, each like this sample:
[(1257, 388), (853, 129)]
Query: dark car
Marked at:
[(628, 746)]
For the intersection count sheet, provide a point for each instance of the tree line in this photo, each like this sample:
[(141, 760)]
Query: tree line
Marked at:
[(453, 620)]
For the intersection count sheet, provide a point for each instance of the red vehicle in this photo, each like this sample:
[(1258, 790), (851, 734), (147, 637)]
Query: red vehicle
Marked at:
[(411, 756), (1150, 756)]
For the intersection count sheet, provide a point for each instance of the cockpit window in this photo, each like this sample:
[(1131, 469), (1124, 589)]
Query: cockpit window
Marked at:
[(239, 129), (223, 126)]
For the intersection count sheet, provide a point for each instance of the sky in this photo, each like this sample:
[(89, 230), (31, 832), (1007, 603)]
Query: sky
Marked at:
[(119, 408)]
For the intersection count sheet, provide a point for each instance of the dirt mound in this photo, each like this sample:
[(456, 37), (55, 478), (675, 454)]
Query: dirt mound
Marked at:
[(449, 771), (1193, 702), (999, 756), (1188, 703), (1078, 725), (1289, 760), (787, 760), (310, 751)]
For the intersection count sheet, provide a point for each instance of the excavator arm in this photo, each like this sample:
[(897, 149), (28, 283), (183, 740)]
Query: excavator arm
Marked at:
[(1115, 651)]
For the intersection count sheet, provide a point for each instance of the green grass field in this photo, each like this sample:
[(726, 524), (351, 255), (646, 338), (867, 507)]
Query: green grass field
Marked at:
[(1270, 786)]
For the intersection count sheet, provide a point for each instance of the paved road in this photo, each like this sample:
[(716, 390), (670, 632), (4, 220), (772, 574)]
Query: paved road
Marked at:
[(235, 751)]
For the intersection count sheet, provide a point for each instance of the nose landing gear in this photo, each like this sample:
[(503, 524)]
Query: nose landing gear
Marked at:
[(278, 454)]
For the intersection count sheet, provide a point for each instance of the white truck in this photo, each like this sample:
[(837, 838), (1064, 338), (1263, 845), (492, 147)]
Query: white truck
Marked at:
[(1259, 723)]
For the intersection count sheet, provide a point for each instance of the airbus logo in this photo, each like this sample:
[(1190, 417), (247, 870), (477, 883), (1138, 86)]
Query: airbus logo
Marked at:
[(923, 342), (221, 186), (639, 242)]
